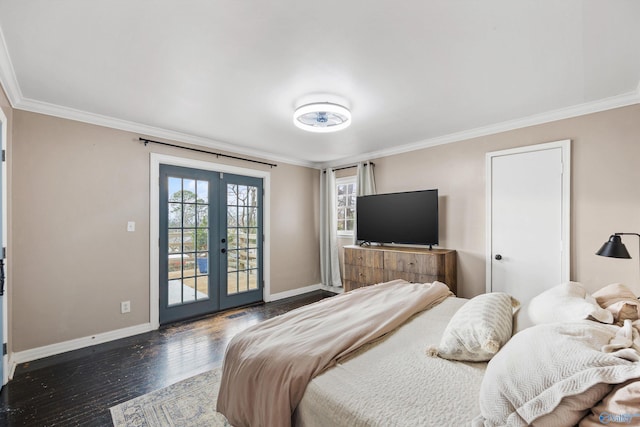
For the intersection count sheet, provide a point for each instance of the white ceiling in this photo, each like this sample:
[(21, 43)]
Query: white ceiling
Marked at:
[(228, 73)]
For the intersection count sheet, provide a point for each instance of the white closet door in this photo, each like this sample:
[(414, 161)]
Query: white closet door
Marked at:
[(528, 220)]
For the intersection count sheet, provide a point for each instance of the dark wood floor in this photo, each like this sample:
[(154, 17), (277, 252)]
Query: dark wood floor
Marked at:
[(78, 388)]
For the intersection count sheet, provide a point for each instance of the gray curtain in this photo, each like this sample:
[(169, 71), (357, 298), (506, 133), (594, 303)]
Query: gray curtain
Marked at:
[(365, 185), (329, 262)]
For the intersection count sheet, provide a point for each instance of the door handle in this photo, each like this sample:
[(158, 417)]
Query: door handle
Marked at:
[(498, 257), (1, 277)]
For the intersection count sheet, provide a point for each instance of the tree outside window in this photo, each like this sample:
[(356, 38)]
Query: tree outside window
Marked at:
[(346, 204)]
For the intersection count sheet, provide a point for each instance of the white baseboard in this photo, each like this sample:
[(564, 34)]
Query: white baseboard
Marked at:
[(12, 367), (294, 292), (75, 344), (334, 289), (304, 290), (51, 350)]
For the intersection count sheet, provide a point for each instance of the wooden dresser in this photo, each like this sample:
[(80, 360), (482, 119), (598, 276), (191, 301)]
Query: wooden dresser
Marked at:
[(369, 265)]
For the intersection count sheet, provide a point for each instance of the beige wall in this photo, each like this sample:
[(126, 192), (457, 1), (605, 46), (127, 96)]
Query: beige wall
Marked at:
[(605, 192), (75, 186)]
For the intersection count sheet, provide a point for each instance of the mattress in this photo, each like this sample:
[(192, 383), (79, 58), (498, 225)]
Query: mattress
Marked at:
[(392, 381)]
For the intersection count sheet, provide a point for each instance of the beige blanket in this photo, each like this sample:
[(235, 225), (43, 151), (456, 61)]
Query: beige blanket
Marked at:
[(268, 366)]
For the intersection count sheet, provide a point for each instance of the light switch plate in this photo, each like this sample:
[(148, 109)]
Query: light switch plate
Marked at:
[(131, 226)]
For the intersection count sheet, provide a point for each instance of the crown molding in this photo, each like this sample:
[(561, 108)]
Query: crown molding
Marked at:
[(623, 100), (8, 79), (151, 131)]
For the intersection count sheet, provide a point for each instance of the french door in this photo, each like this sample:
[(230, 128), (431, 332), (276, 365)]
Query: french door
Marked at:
[(210, 242)]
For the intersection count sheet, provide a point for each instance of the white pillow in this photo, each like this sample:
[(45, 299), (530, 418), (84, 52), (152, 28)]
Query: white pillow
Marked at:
[(551, 375), (478, 329), (565, 303)]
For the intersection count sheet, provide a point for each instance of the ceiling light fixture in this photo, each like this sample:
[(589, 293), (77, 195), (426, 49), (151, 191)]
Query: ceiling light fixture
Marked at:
[(322, 117)]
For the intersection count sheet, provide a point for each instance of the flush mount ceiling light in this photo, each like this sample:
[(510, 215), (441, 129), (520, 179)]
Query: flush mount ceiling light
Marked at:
[(322, 117)]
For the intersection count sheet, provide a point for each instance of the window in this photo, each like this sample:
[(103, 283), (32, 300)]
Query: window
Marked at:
[(346, 205)]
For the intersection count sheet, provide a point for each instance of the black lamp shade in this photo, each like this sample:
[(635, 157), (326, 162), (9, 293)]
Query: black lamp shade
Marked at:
[(614, 248)]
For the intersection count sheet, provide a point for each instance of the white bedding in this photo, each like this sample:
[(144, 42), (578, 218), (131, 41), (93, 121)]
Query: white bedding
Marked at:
[(552, 374), (392, 382)]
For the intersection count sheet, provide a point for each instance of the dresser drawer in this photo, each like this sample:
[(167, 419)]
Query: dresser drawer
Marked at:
[(411, 277), (363, 258), (365, 275), (350, 285), (416, 263)]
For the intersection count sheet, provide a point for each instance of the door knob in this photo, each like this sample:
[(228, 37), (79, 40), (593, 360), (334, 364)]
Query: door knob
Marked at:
[(498, 257)]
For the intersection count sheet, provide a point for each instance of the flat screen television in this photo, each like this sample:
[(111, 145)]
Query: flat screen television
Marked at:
[(409, 218)]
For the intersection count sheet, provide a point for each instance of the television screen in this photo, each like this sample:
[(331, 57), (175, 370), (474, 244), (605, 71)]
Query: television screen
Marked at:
[(410, 217)]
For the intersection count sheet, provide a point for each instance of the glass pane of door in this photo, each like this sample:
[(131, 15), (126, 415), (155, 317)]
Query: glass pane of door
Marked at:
[(188, 245), (243, 223), (187, 229), (243, 233)]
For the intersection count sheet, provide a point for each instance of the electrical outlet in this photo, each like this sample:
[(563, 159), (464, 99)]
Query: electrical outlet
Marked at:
[(125, 307)]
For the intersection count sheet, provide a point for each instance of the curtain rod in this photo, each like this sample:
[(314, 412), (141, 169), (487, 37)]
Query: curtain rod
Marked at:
[(146, 141), (351, 166)]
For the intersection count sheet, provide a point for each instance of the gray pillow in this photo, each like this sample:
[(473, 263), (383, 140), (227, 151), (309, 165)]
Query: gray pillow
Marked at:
[(478, 329)]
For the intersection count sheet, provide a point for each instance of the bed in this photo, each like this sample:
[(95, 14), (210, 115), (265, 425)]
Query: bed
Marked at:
[(376, 386), (452, 362)]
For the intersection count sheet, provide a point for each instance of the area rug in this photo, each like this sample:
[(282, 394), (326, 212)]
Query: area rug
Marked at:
[(191, 402)]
